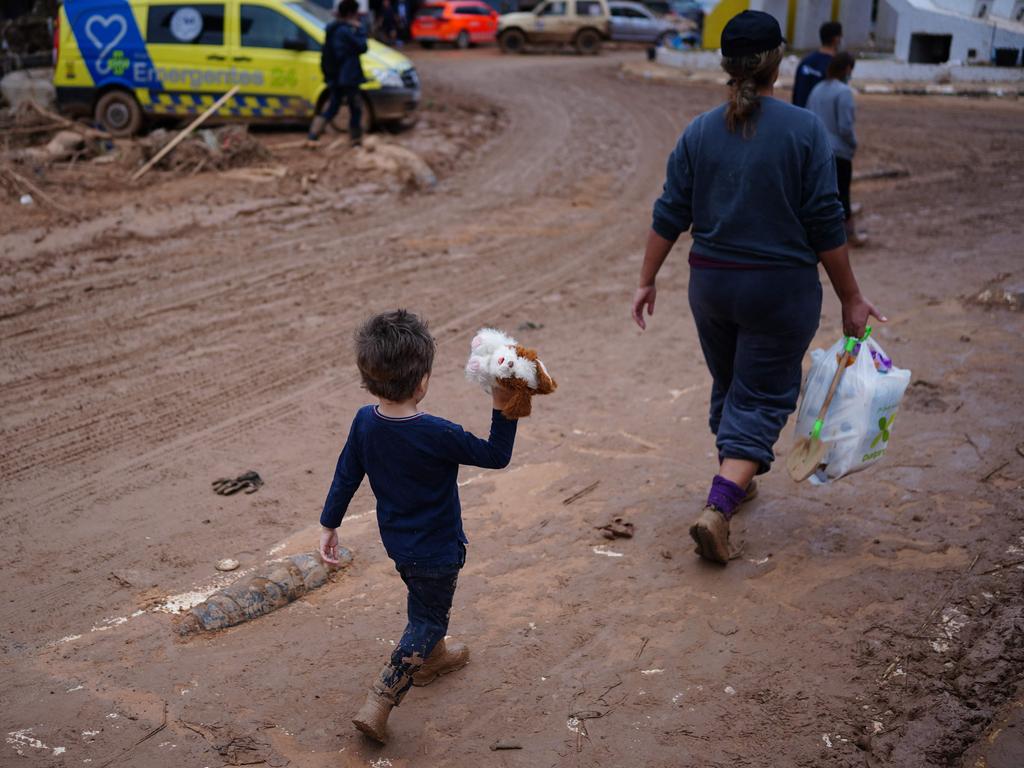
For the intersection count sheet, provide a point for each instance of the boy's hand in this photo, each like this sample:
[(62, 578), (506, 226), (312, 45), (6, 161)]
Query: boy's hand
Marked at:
[(329, 545), (500, 396)]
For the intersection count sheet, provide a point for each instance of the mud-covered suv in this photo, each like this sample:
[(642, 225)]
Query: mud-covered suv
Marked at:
[(583, 23)]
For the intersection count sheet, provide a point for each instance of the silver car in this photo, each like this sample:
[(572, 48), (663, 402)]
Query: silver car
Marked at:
[(632, 22)]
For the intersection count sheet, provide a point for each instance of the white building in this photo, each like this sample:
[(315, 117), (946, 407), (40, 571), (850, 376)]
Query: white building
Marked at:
[(939, 31), (919, 31)]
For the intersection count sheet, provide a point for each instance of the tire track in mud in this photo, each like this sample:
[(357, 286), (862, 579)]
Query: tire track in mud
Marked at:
[(96, 367), (278, 392)]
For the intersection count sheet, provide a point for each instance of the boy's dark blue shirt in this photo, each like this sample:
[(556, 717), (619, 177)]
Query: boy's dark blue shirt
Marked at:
[(413, 466), (345, 43)]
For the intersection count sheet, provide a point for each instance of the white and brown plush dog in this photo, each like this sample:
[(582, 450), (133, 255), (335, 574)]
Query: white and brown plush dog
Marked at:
[(497, 358)]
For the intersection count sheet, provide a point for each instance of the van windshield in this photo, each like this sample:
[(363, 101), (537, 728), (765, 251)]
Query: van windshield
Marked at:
[(312, 12)]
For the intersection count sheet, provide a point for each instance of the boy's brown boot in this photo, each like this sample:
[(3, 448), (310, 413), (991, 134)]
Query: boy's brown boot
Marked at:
[(372, 717), (711, 533), (445, 658)]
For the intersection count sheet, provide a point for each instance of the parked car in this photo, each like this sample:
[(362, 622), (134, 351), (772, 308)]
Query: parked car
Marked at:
[(125, 62), (683, 9), (584, 23), (460, 22), (631, 22)]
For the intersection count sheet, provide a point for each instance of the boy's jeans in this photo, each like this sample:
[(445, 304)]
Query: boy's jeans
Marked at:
[(431, 590)]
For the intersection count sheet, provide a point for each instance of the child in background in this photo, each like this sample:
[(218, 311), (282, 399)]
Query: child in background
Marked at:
[(412, 460)]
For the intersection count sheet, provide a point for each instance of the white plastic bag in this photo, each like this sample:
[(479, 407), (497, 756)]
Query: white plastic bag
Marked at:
[(858, 425)]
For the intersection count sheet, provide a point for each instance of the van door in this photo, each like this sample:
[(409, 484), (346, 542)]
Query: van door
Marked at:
[(188, 47), (288, 57)]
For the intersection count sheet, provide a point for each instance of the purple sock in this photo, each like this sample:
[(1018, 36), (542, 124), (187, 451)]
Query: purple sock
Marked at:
[(725, 496)]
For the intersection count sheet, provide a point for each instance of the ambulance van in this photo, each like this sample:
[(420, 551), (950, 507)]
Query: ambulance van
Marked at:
[(125, 60)]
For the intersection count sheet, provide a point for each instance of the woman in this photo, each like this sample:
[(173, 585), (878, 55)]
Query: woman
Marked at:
[(832, 101), (756, 179)]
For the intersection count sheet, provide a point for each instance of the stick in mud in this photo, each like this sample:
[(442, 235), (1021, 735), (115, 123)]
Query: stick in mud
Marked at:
[(274, 586)]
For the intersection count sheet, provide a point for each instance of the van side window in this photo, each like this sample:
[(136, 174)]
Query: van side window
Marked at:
[(181, 24), (264, 28), (588, 8)]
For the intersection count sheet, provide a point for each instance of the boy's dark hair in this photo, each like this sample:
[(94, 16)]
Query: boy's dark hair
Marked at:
[(841, 62), (394, 351), (829, 32), (346, 9)]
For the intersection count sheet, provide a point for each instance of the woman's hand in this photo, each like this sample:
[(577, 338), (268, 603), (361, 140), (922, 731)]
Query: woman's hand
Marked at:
[(856, 312), (644, 297)]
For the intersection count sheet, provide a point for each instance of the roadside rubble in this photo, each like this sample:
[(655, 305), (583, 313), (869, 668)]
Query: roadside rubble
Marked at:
[(52, 167)]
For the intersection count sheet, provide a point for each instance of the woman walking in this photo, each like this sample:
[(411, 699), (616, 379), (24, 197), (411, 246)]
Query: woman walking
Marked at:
[(756, 180)]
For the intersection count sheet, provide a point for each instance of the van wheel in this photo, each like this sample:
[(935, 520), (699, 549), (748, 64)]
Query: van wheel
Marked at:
[(462, 41), (588, 42), (118, 113), (512, 41)]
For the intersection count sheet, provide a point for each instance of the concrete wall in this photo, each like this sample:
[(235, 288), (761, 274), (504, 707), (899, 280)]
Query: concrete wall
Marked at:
[(867, 70), (810, 15), (856, 20)]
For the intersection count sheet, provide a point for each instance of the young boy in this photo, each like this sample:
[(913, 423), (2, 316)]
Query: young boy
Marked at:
[(412, 460)]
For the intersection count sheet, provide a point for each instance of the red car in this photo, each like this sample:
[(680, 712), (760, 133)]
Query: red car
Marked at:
[(462, 22)]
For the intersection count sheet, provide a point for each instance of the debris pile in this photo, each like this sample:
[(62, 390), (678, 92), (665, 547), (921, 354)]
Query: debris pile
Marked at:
[(230, 146)]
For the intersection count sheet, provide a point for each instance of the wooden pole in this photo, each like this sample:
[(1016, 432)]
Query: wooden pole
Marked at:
[(185, 133)]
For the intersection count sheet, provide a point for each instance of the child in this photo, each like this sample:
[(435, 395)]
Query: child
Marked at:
[(412, 460)]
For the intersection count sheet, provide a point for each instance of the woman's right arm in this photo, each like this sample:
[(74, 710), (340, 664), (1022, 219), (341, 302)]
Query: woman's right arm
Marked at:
[(654, 256), (856, 309), (672, 217)]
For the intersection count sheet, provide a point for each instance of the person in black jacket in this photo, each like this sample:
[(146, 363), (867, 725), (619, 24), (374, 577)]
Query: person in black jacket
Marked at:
[(344, 42)]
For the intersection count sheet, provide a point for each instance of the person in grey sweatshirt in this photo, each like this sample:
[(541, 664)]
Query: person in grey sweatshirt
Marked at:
[(832, 101)]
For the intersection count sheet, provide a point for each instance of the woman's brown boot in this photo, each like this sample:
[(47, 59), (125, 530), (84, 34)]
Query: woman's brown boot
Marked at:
[(711, 534), (445, 658)]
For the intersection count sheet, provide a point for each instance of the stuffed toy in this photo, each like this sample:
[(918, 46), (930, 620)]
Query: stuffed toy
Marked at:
[(495, 358)]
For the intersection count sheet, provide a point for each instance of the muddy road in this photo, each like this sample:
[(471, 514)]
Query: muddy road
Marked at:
[(194, 328)]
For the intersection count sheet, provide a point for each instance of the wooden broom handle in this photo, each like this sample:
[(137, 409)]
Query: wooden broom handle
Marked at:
[(834, 386)]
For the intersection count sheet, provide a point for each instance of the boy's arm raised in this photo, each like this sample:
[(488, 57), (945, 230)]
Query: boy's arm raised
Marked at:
[(493, 453)]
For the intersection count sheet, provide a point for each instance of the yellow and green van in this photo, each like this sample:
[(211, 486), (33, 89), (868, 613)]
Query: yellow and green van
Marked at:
[(125, 60)]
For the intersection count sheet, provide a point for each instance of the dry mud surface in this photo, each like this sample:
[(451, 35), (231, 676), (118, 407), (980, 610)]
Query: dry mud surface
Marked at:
[(194, 327)]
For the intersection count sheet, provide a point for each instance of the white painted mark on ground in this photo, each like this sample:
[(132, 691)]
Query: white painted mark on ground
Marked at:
[(89, 734), (381, 762), (76, 688), (762, 561), (21, 739), (603, 550), (827, 740), (652, 671)]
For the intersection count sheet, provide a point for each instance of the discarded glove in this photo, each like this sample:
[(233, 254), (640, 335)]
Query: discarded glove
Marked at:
[(250, 482)]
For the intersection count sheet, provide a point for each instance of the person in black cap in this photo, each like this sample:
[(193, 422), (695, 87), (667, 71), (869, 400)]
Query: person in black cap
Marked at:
[(755, 180)]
